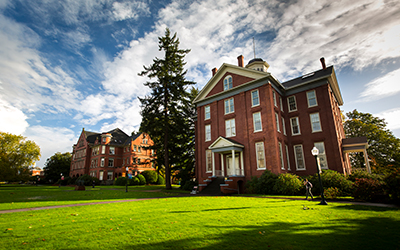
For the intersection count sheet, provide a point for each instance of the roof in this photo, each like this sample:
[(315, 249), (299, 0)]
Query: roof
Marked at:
[(313, 76), (118, 137)]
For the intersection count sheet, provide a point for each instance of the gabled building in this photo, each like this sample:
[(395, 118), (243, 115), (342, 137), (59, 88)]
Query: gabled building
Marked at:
[(106, 155), (248, 121)]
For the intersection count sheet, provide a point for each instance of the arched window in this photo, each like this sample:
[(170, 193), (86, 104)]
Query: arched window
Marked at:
[(228, 82)]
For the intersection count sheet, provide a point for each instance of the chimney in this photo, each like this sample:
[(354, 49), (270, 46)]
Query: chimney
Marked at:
[(214, 71), (240, 61), (323, 62)]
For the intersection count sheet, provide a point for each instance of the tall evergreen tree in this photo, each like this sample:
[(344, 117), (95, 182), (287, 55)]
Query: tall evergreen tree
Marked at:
[(164, 115), (384, 147)]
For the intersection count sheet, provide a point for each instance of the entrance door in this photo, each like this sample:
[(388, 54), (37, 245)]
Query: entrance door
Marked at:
[(229, 166)]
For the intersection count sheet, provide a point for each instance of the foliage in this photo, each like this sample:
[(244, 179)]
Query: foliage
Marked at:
[(86, 180), (189, 185), (56, 165), (165, 113), (331, 193), (263, 185), (384, 147), (332, 179), (358, 174), (150, 176), (16, 156), (160, 180), (288, 184), (393, 185), (120, 181), (134, 181), (142, 180), (369, 190)]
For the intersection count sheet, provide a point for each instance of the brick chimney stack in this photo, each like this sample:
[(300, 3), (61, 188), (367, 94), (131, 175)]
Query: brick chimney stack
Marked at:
[(240, 61), (214, 71), (323, 62)]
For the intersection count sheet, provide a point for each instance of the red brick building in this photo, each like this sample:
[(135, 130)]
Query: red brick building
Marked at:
[(248, 121), (106, 155)]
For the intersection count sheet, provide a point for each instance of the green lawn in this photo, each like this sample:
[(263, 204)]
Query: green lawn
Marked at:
[(204, 223)]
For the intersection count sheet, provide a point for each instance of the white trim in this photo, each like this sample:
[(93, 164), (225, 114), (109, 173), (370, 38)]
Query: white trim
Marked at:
[(308, 98), (230, 106), (287, 157), (258, 98), (319, 122), (205, 130), (205, 112), (302, 157), (298, 125), (263, 152), (254, 123), (295, 103)]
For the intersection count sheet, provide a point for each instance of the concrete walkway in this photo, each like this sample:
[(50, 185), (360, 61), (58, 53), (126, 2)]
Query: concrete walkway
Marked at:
[(185, 195)]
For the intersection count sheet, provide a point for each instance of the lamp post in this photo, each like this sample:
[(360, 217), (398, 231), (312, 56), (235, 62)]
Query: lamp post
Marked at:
[(127, 169), (60, 180), (315, 153)]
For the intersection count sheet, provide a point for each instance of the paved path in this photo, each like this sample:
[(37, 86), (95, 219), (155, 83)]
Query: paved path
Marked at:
[(180, 195)]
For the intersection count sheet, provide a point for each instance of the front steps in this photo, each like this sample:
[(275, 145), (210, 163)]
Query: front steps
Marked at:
[(222, 185)]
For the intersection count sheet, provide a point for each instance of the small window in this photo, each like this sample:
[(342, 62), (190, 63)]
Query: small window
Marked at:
[(228, 83), (281, 103), (109, 175), (277, 122), (257, 122), (298, 153), (295, 125), (281, 156), (208, 161), (255, 100), (111, 162), (134, 148), (112, 150), (292, 103), (230, 128), (260, 154), (229, 106), (208, 132), (103, 150), (207, 112), (311, 98), (139, 149), (274, 97), (315, 122), (284, 126), (102, 162), (321, 156), (287, 156)]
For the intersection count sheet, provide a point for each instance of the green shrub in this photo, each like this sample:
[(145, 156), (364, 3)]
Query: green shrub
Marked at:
[(393, 186), (160, 180), (150, 176), (331, 193), (134, 181), (332, 179), (142, 180), (189, 185), (369, 190), (363, 174), (266, 183), (288, 184), (86, 180), (251, 185), (120, 181)]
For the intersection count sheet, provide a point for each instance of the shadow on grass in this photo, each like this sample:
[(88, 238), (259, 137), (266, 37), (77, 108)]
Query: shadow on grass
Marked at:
[(367, 208), (210, 210)]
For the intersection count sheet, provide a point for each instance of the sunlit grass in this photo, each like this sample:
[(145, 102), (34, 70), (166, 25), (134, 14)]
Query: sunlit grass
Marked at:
[(204, 223)]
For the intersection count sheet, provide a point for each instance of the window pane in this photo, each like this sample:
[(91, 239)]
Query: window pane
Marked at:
[(208, 161), (255, 98), (295, 125), (292, 103), (321, 156), (231, 105), (315, 124), (260, 155), (207, 111), (257, 121), (208, 132), (281, 156), (298, 151), (277, 122), (312, 99)]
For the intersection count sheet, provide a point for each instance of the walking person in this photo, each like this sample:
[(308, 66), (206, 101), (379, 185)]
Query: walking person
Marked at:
[(308, 189)]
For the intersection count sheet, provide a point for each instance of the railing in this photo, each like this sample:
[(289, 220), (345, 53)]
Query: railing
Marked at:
[(235, 172)]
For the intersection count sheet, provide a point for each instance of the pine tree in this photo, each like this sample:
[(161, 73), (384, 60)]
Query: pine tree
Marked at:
[(164, 112)]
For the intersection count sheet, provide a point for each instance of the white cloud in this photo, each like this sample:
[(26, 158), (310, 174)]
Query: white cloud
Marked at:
[(382, 87), (51, 140), (129, 10), (391, 117), (13, 120)]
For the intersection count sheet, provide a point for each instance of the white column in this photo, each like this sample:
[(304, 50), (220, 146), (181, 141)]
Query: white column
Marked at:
[(366, 161), (242, 162), (222, 165), (233, 162), (213, 164)]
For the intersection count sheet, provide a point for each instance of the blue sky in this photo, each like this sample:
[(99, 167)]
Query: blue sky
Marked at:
[(73, 64)]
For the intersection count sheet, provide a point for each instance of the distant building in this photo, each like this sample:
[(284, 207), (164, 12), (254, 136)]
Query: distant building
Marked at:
[(36, 171), (248, 122), (106, 155)]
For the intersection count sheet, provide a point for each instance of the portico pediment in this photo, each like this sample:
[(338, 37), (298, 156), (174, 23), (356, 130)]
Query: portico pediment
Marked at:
[(223, 144)]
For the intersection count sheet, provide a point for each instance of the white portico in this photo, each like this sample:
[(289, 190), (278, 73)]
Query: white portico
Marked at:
[(231, 152)]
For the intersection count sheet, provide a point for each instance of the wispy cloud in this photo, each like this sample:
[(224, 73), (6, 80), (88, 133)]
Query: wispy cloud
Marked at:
[(382, 87)]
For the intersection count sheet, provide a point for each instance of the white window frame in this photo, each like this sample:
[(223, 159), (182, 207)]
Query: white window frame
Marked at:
[(278, 127), (112, 150), (103, 150), (295, 103), (254, 121), (208, 161), (208, 132), (229, 106), (102, 162), (207, 112), (274, 98), (300, 146), (110, 162), (230, 128), (315, 123), (260, 154), (109, 174), (281, 103), (287, 156), (311, 98), (292, 125), (281, 156), (322, 160), (255, 98), (228, 83), (283, 125)]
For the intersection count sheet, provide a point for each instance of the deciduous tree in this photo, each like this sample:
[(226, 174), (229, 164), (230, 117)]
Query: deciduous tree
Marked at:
[(56, 165), (17, 155), (164, 115), (384, 147)]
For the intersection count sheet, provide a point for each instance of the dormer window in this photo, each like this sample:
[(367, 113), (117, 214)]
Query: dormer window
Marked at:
[(228, 83)]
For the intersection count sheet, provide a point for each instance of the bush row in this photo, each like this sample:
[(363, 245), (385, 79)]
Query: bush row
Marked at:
[(146, 177), (360, 184)]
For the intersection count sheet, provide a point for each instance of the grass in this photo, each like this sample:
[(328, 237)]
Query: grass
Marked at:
[(204, 223)]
